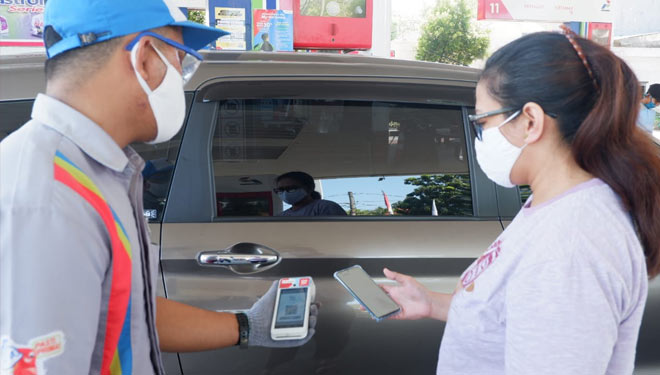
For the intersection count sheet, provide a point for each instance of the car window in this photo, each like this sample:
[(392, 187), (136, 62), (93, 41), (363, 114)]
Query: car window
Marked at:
[(157, 174), (525, 193), (14, 114), (366, 158)]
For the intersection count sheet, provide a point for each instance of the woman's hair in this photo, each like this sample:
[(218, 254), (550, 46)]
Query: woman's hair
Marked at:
[(305, 180), (596, 116)]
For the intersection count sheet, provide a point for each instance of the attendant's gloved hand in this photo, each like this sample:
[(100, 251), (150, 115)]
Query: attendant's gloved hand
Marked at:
[(260, 317)]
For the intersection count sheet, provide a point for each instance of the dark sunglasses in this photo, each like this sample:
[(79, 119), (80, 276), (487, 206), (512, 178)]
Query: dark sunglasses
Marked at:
[(287, 189)]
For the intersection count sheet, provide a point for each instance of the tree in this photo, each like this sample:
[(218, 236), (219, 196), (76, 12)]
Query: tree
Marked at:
[(452, 194), (198, 16), (378, 211), (449, 36)]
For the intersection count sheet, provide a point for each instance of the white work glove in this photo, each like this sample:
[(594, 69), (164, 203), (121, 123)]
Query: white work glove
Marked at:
[(260, 317)]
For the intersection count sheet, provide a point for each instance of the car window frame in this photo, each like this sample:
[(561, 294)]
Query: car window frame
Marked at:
[(192, 191)]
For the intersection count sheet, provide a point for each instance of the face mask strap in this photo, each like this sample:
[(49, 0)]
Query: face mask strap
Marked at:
[(509, 119), (141, 80)]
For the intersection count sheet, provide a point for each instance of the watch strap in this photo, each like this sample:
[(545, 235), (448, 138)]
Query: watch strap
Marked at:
[(243, 330)]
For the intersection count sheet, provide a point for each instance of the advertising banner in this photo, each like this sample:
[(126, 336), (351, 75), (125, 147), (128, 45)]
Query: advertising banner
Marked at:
[(21, 23), (546, 10), (273, 30), (599, 32), (231, 20)]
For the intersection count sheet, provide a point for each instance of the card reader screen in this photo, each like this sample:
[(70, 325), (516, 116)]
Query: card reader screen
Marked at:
[(291, 310)]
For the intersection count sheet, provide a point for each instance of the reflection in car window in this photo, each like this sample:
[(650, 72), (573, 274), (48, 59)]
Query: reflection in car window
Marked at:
[(525, 192), (157, 174), (372, 158)]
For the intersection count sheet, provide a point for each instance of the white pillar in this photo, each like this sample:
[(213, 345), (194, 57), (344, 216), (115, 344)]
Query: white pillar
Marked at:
[(381, 30)]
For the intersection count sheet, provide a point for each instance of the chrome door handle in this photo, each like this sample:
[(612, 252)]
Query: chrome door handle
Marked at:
[(242, 258), (226, 259)]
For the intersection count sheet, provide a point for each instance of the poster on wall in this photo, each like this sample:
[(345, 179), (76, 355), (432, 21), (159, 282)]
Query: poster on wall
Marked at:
[(600, 33), (273, 30), (546, 10), (231, 20), (21, 23)]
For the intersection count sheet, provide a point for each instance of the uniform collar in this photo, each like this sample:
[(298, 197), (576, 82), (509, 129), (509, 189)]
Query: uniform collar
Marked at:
[(82, 131)]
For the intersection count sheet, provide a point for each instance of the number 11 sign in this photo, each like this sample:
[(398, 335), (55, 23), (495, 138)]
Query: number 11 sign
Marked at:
[(546, 10)]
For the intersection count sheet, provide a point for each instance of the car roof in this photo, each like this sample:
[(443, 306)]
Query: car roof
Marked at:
[(22, 76)]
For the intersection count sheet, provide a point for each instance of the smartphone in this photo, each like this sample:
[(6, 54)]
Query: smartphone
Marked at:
[(292, 303), (367, 292)]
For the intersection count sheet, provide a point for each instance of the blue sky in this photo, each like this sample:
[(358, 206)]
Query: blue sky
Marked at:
[(367, 190)]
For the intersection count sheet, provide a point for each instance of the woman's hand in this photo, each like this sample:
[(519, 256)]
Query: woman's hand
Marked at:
[(413, 298)]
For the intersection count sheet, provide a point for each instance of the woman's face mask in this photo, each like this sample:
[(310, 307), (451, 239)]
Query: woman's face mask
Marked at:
[(496, 155)]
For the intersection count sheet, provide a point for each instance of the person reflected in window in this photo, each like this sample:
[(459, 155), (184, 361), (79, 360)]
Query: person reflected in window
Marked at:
[(297, 189)]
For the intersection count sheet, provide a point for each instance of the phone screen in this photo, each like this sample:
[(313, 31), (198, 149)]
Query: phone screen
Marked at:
[(291, 310), (367, 292)]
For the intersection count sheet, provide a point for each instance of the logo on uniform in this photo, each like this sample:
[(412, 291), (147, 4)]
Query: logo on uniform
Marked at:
[(16, 359)]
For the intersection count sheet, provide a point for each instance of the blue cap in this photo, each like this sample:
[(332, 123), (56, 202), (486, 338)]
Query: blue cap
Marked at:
[(79, 23)]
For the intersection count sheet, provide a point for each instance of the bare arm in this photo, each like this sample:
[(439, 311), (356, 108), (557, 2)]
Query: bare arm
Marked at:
[(415, 300), (440, 303), (184, 328)]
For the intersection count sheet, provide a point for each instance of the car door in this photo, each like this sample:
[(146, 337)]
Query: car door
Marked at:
[(362, 137)]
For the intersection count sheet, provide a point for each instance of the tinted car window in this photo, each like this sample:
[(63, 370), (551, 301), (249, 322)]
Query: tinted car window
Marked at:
[(14, 114), (372, 158), (157, 174), (525, 192)]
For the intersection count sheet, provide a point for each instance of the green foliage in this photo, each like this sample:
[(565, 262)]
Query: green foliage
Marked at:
[(347, 8), (198, 16), (452, 194), (394, 30), (378, 211), (449, 36)]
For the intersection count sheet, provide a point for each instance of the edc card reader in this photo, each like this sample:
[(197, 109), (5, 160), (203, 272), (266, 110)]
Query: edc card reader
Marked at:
[(292, 303)]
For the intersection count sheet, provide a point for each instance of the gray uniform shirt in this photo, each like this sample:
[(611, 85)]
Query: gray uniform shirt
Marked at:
[(56, 254)]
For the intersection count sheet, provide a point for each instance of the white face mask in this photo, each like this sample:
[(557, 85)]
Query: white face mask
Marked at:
[(496, 155), (168, 102)]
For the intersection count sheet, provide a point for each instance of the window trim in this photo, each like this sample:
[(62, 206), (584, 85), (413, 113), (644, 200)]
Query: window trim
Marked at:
[(190, 202)]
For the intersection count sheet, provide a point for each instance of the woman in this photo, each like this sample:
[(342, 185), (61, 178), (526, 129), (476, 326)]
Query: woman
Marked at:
[(562, 290), (297, 189)]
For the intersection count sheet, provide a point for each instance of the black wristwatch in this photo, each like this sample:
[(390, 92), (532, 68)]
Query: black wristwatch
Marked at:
[(243, 330)]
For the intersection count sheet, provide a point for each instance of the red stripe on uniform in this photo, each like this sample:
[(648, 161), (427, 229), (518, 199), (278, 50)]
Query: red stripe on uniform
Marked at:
[(120, 290)]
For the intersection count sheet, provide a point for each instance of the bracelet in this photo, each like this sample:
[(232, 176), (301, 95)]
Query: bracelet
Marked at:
[(243, 330)]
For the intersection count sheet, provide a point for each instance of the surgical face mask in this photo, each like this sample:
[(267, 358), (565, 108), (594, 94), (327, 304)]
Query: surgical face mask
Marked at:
[(292, 197), (650, 105), (167, 101), (496, 155)]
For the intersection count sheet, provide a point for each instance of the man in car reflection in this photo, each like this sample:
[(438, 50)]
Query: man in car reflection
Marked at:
[(297, 189)]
